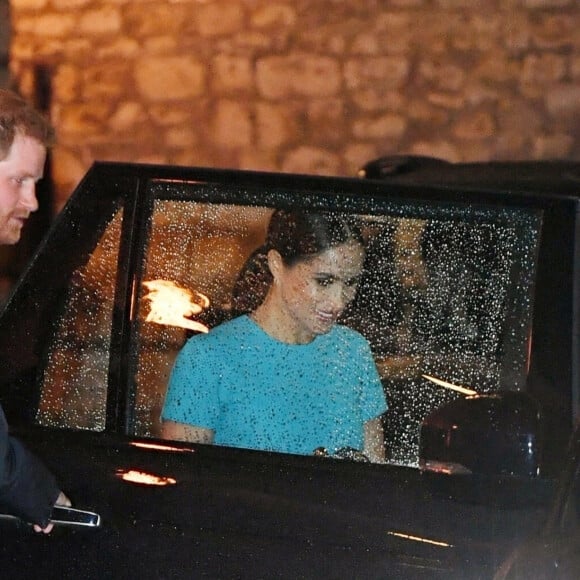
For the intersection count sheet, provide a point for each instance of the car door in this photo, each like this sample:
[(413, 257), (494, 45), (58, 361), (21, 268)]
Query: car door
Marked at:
[(553, 552), (87, 349)]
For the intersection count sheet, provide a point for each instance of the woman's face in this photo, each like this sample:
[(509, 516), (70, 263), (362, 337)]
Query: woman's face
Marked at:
[(313, 293)]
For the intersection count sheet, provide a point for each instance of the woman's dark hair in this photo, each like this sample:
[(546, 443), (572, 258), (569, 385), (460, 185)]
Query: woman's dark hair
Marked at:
[(295, 235)]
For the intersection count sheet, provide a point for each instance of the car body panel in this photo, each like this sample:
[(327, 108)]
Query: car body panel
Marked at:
[(553, 552), (242, 515)]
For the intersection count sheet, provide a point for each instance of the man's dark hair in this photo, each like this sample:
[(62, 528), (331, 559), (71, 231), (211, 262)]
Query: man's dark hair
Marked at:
[(19, 117)]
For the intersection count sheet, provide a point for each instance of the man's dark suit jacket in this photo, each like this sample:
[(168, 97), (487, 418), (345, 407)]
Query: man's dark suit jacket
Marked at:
[(27, 489)]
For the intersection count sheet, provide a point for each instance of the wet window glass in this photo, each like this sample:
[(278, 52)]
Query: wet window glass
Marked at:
[(446, 305), (74, 384), (194, 256), (443, 301)]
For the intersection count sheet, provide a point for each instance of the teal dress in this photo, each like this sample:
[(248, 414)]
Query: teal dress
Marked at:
[(259, 393)]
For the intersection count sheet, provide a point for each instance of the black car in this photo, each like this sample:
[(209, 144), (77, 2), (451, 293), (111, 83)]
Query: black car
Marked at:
[(470, 300)]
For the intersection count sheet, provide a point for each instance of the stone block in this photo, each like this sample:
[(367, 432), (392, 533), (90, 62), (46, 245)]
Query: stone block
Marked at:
[(276, 125), (66, 83), (311, 160), (126, 116), (232, 73), (553, 146), (563, 101), (155, 19), (169, 78), (475, 125), (386, 73), (381, 127), (51, 25), (298, 75), (232, 125), (220, 19), (102, 21), (24, 5), (327, 121), (543, 69), (274, 16)]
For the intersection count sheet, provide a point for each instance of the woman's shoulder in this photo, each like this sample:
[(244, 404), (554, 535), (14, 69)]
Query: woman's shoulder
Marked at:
[(232, 325), (344, 332), (222, 332)]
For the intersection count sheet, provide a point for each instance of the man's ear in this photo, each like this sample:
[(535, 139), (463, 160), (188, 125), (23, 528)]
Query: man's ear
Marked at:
[(275, 263)]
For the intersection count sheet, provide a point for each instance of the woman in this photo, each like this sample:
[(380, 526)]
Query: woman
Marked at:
[(286, 377)]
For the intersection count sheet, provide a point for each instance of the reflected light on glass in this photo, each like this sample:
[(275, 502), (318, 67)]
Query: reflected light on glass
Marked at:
[(143, 478), (160, 447), (451, 386), (420, 539), (172, 305), (444, 467)]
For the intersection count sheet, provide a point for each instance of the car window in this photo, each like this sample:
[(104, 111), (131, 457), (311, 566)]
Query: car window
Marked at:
[(195, 253), (74, 384), (441, 297), (445, 302)]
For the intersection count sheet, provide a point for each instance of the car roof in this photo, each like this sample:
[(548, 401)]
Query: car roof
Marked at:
[(556, 177)]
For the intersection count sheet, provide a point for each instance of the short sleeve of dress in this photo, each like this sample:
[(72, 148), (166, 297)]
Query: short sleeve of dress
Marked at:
[(192, 392)]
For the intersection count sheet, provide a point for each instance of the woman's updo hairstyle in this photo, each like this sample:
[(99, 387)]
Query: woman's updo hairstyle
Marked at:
[(295, 235), (299, 235)]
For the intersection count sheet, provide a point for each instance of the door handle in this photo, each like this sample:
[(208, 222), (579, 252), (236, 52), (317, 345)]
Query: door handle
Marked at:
[(68, 516)]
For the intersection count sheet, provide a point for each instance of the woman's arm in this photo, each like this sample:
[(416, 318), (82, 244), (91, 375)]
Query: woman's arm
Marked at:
[(183, 432), (374, 441)]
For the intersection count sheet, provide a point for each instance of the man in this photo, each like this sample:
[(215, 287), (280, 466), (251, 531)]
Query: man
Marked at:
[(27, 488)]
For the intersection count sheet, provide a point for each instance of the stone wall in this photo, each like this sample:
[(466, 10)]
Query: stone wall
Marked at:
[(313, 87)]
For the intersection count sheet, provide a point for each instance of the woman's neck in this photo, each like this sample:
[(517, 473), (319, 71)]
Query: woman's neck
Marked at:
[(272, 319)]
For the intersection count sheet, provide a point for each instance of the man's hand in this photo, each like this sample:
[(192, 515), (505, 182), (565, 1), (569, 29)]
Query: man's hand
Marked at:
[(62, 500)]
